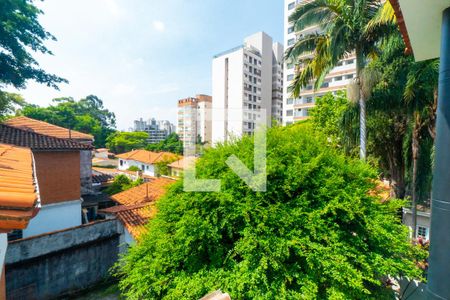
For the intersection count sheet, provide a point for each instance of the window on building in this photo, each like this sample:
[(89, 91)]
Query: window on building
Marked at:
[(291, 5), (250, 59), (289, 101), (340, 63), (291, 42), (350, 61), (291, 29), (289, 113), (254, 80), (309, 100), (338, 78), (349, 76), (290, 77), (254, 98), (422, 232), (142, 167), (250, 68), (254, 89), (121, 162)]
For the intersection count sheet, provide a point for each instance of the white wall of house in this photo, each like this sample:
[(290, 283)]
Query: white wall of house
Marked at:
[(101, 154), (56, 216), (147, 169), (423, 222), (3, 246)]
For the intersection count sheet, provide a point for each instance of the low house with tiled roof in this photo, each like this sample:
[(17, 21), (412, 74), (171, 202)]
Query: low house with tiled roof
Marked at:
[(57, 165), (145, 160), (41, 127), (19, 196), (137, 205)]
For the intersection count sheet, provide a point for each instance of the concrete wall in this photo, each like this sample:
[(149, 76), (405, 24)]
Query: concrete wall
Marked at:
[(58, 174), (64, 262), (56, 216), (86, 171)]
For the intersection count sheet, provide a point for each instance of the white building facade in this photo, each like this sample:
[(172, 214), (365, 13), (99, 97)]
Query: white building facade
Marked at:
[(242, 86), (194, 120), (146, 168), (338, 79), (157, 130)]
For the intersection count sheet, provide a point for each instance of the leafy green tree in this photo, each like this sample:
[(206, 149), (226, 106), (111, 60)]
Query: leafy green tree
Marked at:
[(346, 26), (318, 232), (21, 32), (87, 115), (134, 168), (122, 183), (121, 142), (9, 102), (171, 144), (327, 115)]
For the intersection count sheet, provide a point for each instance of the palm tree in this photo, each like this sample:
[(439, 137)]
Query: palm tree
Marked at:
[(346, 27), (421, 100)]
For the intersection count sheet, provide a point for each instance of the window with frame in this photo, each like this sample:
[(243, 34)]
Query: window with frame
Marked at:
[(289, 113), (422, 232), (290, 77), (289, 101), (291, 42), (291, 5), (291, 29)]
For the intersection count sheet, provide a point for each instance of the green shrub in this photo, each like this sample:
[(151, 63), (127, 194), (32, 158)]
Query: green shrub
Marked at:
[(134, 168), (317, 233)]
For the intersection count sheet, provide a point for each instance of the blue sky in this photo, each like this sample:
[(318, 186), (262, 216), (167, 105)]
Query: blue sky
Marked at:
[(141, 56)]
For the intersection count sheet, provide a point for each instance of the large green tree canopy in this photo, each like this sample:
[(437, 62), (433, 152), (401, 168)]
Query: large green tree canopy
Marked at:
[(317, 233), (21, 32), (171, 144), (87, 115), (121, 142)]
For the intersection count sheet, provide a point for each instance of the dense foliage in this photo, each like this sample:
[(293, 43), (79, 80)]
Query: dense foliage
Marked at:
[(317, 233), (122, 183), (21, 32), (171, 144), (9, 102), (121, 142), (87, 115)]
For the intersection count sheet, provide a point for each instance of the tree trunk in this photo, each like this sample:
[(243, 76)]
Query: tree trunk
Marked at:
[(362, 106), (415, 158)]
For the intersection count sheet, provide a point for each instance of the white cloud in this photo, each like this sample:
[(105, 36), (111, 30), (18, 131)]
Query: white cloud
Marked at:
[(159, 26)]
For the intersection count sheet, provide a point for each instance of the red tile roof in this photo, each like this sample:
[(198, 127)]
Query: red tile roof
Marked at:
[(146, 192), (19, 196), (148, 157), (47, 128), (36, 141), (133, 217)]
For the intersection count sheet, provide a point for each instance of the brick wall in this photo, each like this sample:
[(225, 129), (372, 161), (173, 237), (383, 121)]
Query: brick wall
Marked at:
[(58, 174)]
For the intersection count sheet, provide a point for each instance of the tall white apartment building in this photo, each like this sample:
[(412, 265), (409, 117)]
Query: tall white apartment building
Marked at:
[(194, 119), (242, 83), (338, 79), (277, 83)]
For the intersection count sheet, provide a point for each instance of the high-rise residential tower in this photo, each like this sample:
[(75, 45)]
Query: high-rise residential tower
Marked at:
[(338, 79), (242, 84), (194, 119), (158, 130)]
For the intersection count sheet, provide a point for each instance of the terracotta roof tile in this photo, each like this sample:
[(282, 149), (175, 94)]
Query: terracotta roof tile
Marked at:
[(146, 192), (148, 157), (36, 141), (19, 196), (133, 217), (47, 128)]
